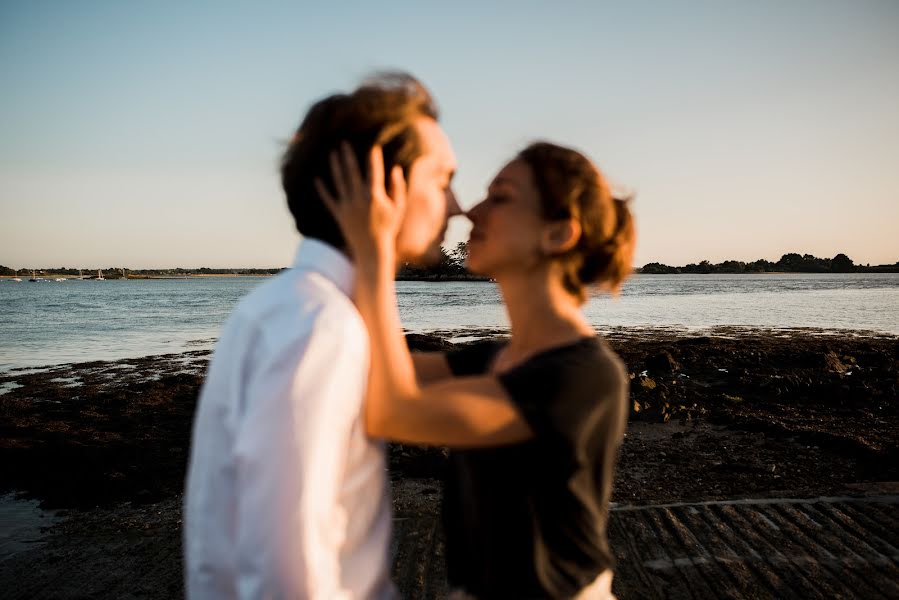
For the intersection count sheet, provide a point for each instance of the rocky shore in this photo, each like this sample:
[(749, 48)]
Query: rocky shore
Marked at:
[(724, 414)]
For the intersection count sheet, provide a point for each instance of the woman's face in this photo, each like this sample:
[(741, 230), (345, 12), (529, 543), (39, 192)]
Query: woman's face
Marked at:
[(507, 225)]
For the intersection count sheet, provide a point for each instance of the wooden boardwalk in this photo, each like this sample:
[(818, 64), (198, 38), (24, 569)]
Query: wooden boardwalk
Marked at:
[(778, 549)]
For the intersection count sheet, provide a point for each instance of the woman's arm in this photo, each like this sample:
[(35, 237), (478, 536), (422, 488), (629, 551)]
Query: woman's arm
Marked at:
[(469, 411), (458, 411), (430, 367)]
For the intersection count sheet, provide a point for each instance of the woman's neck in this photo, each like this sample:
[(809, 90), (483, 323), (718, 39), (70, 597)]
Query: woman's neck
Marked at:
[(541, 312)]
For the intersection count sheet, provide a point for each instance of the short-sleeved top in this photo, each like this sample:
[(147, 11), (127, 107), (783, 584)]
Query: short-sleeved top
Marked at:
[(529, 520)]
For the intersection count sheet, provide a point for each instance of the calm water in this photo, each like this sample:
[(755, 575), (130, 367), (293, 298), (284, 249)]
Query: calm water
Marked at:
[(58, 322)]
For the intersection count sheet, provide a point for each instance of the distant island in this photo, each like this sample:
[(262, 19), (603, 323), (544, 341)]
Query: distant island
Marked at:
[(788, 263), (451, 267)]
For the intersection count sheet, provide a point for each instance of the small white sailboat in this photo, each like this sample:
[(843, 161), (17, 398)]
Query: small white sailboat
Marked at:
[(100, 275), (16, 276), (33, 277), (80, 274), (124, 275)]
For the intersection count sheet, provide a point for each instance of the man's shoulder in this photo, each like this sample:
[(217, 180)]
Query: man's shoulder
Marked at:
[(289, 323), (294, 304)]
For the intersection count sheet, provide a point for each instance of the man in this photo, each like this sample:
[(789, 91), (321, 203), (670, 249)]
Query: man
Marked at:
[(286, 495)]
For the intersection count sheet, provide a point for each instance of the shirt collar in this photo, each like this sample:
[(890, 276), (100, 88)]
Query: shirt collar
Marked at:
[(315, 255)]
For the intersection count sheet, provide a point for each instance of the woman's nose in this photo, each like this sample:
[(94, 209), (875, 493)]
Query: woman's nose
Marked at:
[(474, 212)]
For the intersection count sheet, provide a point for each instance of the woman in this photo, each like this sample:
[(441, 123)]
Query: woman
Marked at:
[(536, 421)]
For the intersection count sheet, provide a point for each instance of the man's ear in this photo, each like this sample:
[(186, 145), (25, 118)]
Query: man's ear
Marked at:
[(560, 236)]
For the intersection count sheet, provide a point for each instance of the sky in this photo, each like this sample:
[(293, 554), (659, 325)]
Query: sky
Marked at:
[(148, 134)]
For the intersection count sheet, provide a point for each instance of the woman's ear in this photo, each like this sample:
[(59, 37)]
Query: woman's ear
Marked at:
[(560, 236)]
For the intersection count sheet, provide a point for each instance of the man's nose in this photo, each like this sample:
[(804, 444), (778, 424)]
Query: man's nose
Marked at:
[(452, 206)]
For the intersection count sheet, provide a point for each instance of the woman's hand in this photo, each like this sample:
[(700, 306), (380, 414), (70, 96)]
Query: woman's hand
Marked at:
[(468, 411), (368, 216)]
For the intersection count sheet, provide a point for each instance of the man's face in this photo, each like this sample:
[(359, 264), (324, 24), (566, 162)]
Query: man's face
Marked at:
[(429, 197)]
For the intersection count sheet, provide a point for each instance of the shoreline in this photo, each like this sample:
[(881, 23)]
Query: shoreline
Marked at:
[(434, 278), (113, 277), (452, 336), (81, 434), (722, 416)]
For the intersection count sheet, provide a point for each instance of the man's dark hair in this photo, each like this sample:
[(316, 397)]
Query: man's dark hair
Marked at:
[(381, 111)]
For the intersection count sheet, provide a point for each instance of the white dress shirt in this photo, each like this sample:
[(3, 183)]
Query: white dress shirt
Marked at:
[(286, 496)]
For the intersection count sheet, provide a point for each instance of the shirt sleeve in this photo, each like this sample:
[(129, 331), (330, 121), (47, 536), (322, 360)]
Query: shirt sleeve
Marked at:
[(563, 395), (291, 453)]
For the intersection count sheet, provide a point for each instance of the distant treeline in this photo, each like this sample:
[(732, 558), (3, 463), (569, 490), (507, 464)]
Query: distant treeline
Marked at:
[(451, 267), (116, 272), (788, 263)]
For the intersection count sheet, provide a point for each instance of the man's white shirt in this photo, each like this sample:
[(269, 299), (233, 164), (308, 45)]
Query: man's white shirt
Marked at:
[(286, 496)]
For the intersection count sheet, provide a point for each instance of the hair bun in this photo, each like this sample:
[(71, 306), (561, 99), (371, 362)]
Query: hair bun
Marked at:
[(594, 263)]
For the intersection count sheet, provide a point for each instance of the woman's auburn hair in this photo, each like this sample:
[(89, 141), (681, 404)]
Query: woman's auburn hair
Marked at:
[(571, 187)]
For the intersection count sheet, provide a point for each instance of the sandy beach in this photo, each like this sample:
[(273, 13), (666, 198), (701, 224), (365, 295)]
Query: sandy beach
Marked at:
[(719, 416)]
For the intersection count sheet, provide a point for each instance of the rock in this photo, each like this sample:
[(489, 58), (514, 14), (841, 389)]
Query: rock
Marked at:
[(833, 363), (648, 383), (422, 342), (662, 362)]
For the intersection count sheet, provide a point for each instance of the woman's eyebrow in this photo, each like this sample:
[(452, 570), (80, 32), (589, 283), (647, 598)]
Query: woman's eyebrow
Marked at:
[(500, 182)]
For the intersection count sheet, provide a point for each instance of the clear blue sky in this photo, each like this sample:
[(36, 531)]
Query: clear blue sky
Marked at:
[(147, 134)]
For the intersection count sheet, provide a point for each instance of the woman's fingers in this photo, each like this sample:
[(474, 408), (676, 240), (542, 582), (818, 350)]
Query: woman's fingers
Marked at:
[(362, 204), (326, 196), (376, 170), (349, 182), (398, 188), (337, 176), (353, 177)]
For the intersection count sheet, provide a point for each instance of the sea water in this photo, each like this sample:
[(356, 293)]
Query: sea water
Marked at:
[(49, 322)]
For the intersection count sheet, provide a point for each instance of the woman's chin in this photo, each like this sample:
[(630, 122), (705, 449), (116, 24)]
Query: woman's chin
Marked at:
[(479, 270), (476, 269)]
